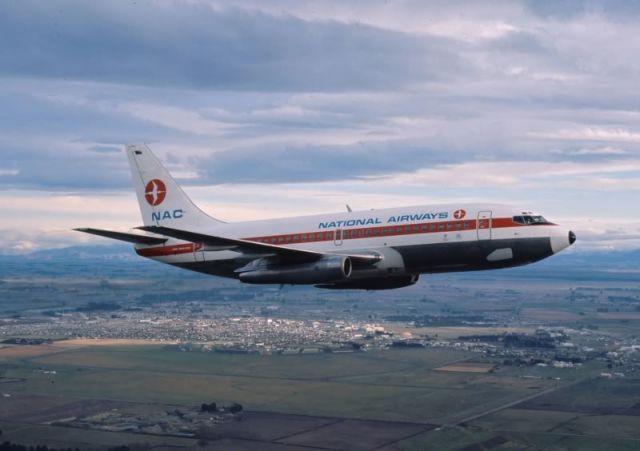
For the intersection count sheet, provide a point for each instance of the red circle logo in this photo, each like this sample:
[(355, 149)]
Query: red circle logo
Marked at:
[(155, 191), (459, 214)]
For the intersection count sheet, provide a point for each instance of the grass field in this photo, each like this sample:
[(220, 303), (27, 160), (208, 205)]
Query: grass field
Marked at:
[(416, 405), (391, 385), (595, 396)]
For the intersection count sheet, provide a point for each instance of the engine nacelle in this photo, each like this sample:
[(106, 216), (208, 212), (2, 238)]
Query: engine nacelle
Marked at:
[(325, 270)]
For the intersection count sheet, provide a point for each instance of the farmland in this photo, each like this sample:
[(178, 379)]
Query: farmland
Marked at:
[(397, 398)]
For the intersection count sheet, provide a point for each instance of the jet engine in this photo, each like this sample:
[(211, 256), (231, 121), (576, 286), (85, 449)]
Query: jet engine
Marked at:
[(328, 269)]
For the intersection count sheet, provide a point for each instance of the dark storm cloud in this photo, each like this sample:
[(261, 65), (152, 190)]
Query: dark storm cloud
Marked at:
[(197, 46)]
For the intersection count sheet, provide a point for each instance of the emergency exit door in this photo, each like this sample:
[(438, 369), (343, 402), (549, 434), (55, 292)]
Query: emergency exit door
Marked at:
[(484, 225)]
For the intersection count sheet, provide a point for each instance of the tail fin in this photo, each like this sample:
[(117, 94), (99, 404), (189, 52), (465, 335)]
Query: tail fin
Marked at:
[(162, 201)]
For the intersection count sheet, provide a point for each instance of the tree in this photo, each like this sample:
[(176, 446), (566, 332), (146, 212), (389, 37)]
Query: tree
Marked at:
[(211, 407), (235, 408)]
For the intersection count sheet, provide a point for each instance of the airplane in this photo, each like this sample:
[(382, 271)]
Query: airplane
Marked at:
[(371, 249)]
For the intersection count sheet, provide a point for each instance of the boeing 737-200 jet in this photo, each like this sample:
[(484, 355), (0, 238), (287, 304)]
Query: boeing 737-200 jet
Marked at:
[(373, 249)]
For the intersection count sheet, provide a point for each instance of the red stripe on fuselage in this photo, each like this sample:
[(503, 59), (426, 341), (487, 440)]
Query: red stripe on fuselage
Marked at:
[(387, 230), (351, 234)]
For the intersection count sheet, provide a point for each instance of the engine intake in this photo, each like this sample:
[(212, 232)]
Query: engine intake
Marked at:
[(325, 270)]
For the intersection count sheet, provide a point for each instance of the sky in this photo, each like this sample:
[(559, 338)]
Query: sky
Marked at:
[(279, 108)]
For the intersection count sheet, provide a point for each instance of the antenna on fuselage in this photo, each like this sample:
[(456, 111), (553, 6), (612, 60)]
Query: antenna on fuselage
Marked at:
[(348, 208)]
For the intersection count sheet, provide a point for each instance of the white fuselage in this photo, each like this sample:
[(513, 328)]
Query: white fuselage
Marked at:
[(413, 240)]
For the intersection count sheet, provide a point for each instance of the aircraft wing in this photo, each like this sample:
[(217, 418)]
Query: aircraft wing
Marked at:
[(128, 237), (253, 247)]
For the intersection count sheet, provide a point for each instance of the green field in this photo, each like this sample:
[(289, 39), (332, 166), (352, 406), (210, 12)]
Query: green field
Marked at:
[(451, 410), (393, 385)]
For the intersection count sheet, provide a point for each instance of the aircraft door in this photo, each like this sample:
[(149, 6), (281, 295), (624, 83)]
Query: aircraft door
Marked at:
[(198, 252), (337, 237), (484, 225)]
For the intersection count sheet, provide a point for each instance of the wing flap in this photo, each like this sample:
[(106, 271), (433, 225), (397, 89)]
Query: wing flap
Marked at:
[(253, 247), (128, 237)]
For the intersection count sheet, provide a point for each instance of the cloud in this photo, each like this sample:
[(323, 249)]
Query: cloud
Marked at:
[(608, 150), (570, 9), (192, 45), (63, 165), (178, 118), (105, 149), (591, 134), (527, 174), (272, 108), (316, 163)]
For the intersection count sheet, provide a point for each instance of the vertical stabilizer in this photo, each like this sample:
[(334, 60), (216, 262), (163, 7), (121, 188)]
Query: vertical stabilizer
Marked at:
[(162, 201)]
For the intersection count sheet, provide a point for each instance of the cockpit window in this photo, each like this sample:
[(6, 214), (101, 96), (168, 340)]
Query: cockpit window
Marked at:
[(530, 220)]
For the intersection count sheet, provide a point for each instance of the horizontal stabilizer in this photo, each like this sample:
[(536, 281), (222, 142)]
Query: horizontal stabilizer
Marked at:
[(128, 237), (254, 247)]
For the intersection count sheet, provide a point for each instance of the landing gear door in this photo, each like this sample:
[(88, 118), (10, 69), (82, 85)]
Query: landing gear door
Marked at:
[(484, 225)]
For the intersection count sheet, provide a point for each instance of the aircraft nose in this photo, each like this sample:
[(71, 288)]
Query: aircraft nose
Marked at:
[(561, 239)]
